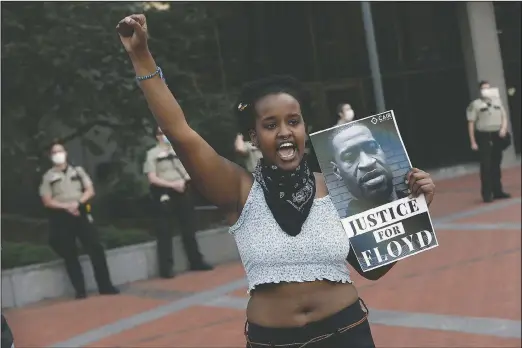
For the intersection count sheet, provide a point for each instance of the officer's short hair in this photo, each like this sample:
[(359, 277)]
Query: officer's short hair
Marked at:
[(55, 142), (482, 83)]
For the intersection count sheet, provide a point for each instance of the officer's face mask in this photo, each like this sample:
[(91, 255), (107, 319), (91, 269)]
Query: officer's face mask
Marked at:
[(58, 158), (349, 115), (489, 93)]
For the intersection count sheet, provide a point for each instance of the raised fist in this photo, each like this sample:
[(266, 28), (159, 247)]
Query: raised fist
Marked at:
[(133, 33)]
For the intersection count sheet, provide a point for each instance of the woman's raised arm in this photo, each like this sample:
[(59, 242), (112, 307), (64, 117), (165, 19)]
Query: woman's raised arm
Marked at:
[(219, 180)]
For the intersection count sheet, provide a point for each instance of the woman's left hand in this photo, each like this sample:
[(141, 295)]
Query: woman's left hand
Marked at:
[(420, 182)]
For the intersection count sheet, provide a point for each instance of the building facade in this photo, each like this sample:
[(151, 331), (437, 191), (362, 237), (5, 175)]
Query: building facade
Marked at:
[(431, 57)]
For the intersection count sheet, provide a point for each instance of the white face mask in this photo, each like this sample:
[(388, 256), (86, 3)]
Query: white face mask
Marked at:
[(489, 93), (58, 158), (349, 115)]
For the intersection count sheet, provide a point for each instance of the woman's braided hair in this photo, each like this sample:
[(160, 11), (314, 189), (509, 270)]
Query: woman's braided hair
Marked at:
[(251, 92)]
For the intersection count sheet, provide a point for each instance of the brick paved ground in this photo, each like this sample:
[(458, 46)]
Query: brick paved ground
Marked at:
[(435, 299)]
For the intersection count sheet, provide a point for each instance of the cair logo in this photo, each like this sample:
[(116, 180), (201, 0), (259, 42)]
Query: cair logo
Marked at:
[(381, 117)]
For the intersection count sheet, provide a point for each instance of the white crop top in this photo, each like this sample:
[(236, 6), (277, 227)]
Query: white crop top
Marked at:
[(269, 255)]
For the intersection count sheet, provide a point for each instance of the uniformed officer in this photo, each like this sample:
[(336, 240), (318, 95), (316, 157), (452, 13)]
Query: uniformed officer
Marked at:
[(345, 113), (66, 190), (171, 195), (487, 127)]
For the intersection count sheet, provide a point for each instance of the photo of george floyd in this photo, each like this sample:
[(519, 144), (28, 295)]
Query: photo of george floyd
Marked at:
[(365, 164)]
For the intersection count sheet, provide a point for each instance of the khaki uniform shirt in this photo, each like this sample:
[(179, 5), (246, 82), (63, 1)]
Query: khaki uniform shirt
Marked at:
[(163, 161), (487, 114), (253, 156), (65, 186)]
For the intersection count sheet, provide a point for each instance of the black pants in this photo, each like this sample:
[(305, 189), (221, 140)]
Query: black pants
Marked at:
[(64, 229), (7, 335), (490, 153), (180, 206), (347, 328)]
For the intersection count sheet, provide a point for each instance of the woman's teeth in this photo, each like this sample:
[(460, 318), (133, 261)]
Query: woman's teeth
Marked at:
[(286, 151)]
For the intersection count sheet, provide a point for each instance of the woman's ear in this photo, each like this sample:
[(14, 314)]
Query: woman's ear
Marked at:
[(253, 138)]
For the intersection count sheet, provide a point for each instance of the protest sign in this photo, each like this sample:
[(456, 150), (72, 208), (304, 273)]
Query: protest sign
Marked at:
[(365, 163)]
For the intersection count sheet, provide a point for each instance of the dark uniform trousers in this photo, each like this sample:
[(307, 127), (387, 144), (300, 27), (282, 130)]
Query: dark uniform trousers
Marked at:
[(490, 152), (7, 334), (180, 206), (64, 230)]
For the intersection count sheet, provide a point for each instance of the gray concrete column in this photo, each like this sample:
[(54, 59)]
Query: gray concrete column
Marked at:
[(481, 49)]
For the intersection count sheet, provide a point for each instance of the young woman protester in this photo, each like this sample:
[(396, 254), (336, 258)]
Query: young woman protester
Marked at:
[(287, 230)]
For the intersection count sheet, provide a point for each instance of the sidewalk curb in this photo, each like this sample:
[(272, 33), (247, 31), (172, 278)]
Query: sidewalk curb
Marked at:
[(30, 284)]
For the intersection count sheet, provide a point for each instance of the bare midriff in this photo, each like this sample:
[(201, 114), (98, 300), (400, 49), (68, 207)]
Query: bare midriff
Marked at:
[(297, 304)]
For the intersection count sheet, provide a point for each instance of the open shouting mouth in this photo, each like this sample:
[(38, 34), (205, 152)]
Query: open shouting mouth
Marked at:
[(287, 151)]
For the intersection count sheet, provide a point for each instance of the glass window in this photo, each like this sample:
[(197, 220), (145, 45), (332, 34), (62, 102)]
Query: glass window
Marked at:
[(437, 128), (387, 35), (429, 34), (284, 39), (340, 39), (395, 98), (508, 24)]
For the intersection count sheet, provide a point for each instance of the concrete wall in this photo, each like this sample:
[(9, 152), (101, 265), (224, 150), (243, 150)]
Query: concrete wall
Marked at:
[(30, 284), (481, 50)]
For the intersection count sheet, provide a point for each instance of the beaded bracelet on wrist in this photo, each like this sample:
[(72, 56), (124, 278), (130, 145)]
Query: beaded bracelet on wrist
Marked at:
[(148, 77)]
